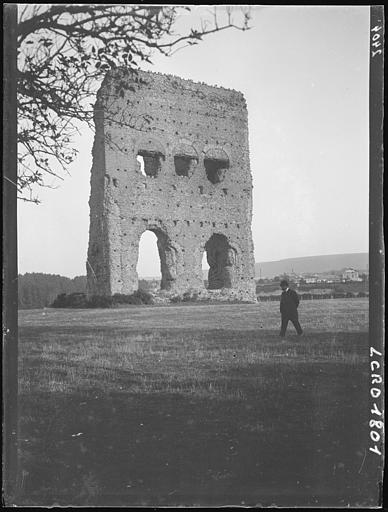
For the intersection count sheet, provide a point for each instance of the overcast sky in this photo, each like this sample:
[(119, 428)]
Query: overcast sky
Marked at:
[(304, 72)]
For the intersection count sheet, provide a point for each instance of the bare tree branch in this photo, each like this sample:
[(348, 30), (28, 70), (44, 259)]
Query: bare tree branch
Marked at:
[(64, 52)]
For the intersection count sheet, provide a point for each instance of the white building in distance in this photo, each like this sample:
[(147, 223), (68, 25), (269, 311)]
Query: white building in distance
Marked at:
[(350, 274)]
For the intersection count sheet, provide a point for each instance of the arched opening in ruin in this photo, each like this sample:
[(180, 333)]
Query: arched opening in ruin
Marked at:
[(185, 159), (149, 155), (184, 165), (156, 262), (221, 260), (205, 269), (148, 262), (150, 162), (216, 164)]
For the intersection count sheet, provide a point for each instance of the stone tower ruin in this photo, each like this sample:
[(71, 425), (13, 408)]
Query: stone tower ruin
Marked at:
[(170, 156)]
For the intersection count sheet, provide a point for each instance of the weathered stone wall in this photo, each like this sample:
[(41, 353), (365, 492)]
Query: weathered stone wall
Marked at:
[(193, 188)]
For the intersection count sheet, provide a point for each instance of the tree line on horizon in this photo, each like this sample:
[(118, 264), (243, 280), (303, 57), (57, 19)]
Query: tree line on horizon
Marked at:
[(38, 290)]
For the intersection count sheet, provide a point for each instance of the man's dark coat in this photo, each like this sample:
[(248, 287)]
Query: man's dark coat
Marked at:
[(289, 302)]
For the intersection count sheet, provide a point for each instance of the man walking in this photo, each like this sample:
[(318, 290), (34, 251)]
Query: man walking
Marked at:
[(289, 302)]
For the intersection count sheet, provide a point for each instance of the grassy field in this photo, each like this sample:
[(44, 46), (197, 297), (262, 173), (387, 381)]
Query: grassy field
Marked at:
[(195, 405)]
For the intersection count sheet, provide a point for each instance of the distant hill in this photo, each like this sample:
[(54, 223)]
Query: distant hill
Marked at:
[(313, 264)]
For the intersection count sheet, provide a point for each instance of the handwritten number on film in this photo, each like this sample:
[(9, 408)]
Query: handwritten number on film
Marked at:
[(376, 37), (376, 424)]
